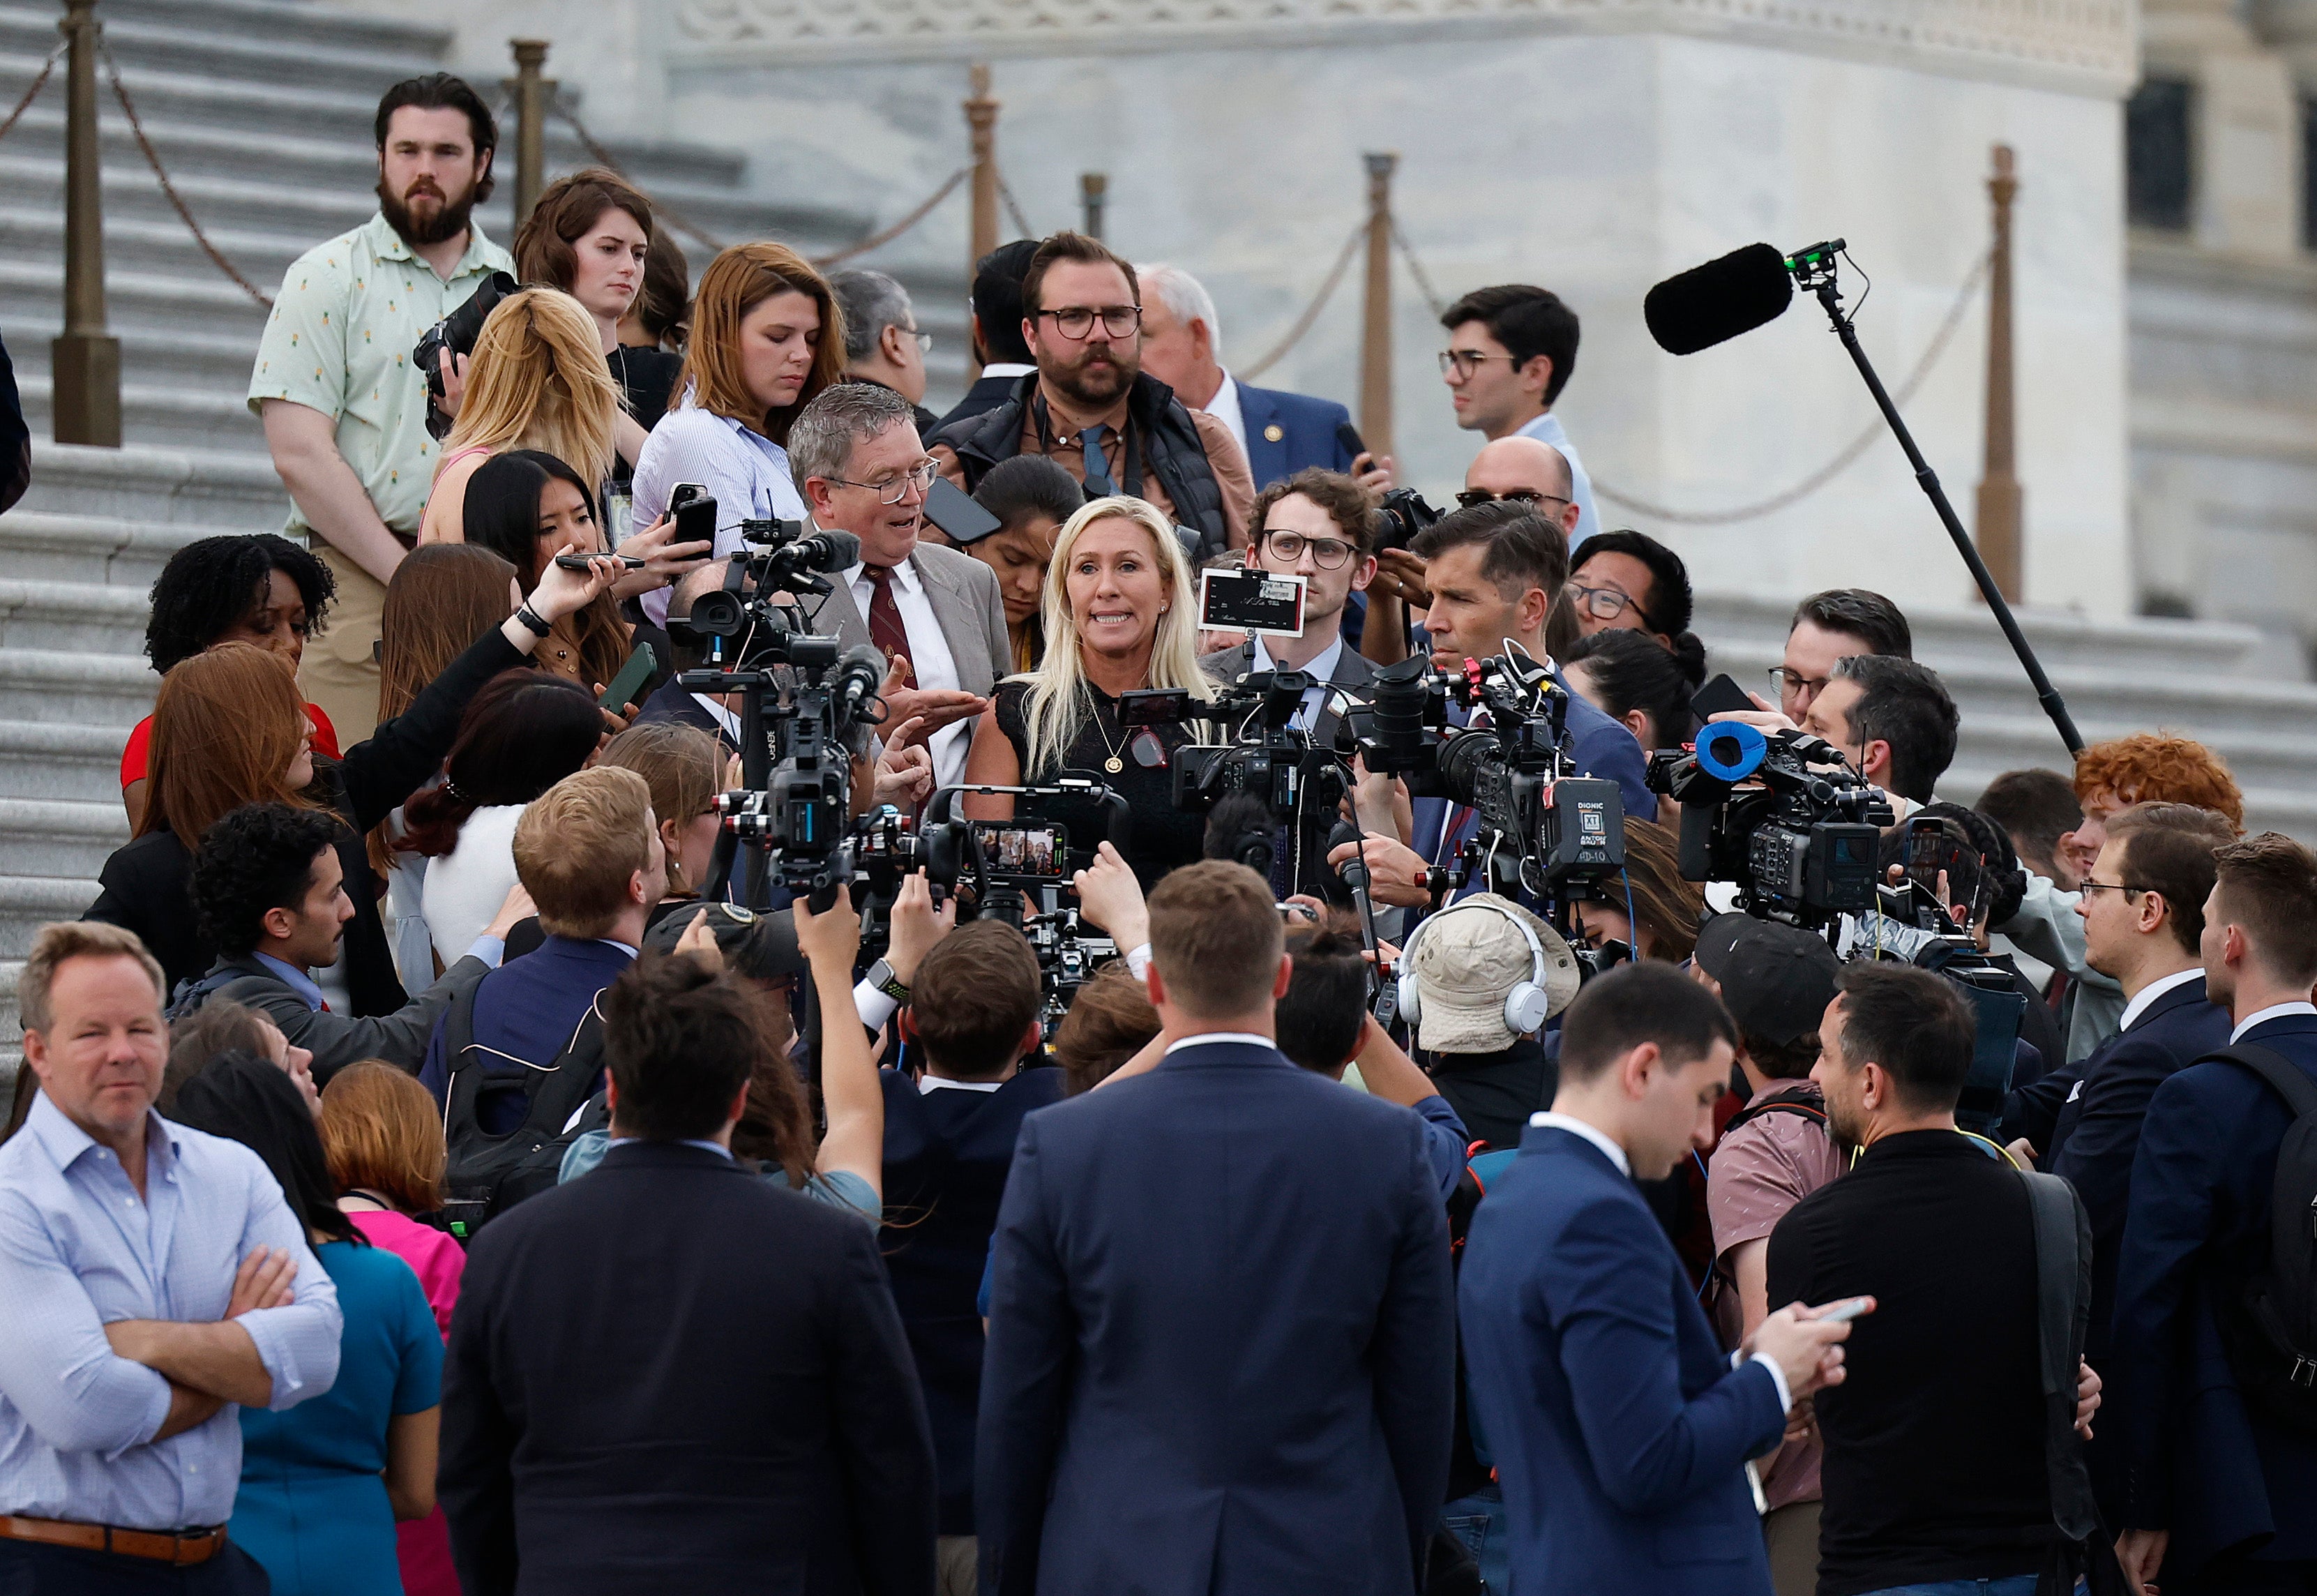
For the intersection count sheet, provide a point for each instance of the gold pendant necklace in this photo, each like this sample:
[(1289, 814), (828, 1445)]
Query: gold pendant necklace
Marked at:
[(1116, 762)]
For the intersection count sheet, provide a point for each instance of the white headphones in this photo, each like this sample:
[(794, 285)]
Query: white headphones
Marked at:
[(1526, 1007)]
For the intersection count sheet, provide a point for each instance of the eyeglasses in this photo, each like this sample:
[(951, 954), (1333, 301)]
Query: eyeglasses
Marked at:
[(1118, 321), (1605, 604), (925, 340), (1785, 682), (1463, 362), (1326, 552), (894, 489), (2091, 886), (1472, 497)]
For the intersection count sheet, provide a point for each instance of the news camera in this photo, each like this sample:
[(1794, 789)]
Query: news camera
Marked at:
[(1544, 828), (1781, 817)]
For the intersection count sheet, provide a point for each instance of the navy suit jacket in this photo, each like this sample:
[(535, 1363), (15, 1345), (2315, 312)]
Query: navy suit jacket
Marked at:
[(985, 394), (1619, 1430), (1223, 1340), (2200, 1462), (529, 1008), (947, 1154), (681, 706), (1306, 428), (673, 1375)]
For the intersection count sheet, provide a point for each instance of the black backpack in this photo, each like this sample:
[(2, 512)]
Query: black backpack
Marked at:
[(487, 1175), (2272, 1333)]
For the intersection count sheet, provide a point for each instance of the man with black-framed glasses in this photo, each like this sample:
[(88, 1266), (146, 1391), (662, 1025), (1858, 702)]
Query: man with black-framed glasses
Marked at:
[(1316, 525), (1510, 351), (1091, 408)]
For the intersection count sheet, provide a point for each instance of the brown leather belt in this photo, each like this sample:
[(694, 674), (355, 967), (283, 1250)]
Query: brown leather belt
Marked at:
[(180, 1549)]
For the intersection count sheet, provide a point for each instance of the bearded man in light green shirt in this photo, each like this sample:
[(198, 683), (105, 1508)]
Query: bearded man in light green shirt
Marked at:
[(344, 405)]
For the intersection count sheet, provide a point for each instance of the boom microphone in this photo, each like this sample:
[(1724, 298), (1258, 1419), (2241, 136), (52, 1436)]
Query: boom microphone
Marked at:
[(1708, 304)]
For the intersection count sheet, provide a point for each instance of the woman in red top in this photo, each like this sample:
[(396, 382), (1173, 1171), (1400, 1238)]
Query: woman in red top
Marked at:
[(256, 588)]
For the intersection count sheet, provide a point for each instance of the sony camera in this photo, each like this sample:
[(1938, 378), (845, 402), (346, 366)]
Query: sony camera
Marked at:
[(456, 334)]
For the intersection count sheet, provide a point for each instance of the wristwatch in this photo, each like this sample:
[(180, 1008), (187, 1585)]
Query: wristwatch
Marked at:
[(882, 976), (530, 618)]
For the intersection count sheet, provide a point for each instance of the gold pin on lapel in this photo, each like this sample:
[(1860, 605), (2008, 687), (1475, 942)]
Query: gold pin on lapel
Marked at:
[(1274, 433)]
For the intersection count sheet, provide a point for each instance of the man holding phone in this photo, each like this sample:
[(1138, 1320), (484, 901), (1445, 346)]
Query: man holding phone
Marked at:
[(1934, 1470), (1316, 525)]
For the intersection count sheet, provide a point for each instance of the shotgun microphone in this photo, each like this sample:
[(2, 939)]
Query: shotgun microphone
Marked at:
[(1716, 301)]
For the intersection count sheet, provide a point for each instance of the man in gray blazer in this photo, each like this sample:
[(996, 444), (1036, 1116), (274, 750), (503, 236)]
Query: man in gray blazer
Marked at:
[(936, 614)]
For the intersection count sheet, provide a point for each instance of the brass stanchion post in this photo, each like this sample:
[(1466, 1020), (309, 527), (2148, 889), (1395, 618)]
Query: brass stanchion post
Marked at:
[(85, 363), (530, 92), (1998, 534), (1375, 342)]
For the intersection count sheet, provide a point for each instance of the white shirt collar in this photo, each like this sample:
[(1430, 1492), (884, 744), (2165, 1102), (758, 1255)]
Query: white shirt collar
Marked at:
[(1204, 1037), (1321, 669), (929, 1084), (1006, 368), (1578, 1127), (2273, 1011), (1224, 407), (2155, 989), (905, 575), (724, 717)]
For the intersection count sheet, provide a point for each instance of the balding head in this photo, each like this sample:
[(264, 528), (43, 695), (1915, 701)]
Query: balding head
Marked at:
[(1520, 465)]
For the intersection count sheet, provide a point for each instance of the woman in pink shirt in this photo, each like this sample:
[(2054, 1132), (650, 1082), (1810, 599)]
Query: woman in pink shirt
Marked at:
[(385, 1146)]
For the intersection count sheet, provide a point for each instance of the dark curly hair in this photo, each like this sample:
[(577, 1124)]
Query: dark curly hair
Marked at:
[(212, 585), (257, 858)]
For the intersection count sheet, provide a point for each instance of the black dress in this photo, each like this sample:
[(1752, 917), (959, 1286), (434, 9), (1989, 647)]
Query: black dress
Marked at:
[(647, 377), (1157, 837)]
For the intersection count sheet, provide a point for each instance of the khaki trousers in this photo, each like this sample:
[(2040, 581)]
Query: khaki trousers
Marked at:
[(1792, 1532), (340, 669)]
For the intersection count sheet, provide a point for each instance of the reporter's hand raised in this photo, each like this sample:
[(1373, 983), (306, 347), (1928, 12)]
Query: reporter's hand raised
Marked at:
[(1110, 898), (914, 925), (1399, 574), (561, 592), (665, 562), (1396, 871), (831, 937)]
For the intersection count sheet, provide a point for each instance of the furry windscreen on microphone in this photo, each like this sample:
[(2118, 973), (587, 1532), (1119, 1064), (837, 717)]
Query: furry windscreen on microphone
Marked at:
[(1241, 829), (1708, 304)]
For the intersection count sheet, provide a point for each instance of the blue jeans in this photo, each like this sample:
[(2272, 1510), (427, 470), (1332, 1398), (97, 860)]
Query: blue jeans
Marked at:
[(2018, 1585), (1479, 1521)]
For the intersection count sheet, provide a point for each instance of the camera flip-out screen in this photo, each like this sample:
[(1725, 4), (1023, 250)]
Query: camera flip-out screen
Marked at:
[(1257, 601)]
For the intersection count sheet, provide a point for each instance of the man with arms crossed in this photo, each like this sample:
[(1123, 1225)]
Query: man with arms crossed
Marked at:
[(155, 1280)]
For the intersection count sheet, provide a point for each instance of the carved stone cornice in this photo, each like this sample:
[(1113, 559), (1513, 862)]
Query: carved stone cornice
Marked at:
[(2090, 46)]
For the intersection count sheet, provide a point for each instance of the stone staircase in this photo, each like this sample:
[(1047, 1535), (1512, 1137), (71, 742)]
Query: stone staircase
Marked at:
[(261, 113), (2118, 676)]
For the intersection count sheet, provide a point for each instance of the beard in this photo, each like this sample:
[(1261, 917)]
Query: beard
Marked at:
[(446, 221), (1095, 386)]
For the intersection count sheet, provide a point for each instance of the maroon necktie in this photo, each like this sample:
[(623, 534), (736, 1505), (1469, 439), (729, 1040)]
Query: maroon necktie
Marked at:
[(885, 628)]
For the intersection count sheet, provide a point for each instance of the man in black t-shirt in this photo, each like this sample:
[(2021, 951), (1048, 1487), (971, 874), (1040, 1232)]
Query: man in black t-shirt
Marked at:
[(1933, 1446)]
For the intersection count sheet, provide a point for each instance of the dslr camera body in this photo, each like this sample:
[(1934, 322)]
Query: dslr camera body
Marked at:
[(456, 334)]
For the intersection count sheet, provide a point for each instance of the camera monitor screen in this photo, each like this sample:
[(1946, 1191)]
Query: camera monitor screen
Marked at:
[(1251, 601), (1025, 850)]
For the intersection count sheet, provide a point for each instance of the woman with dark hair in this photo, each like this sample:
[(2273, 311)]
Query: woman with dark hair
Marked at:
[(1650, 908), (229, 729), (590, 234), (1630, 677), (323, 1483), (221, 1026), (256, 588), (661, 316), (1031, 496), (524, 732), (527, 506)]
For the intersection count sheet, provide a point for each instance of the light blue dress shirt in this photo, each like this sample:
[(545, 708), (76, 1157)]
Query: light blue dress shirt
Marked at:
[(298, 980), (744, 471), (78, 1251), (1547, 429)]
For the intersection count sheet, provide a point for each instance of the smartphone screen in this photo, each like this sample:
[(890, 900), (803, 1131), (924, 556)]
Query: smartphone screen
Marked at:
[(1025, 850)]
